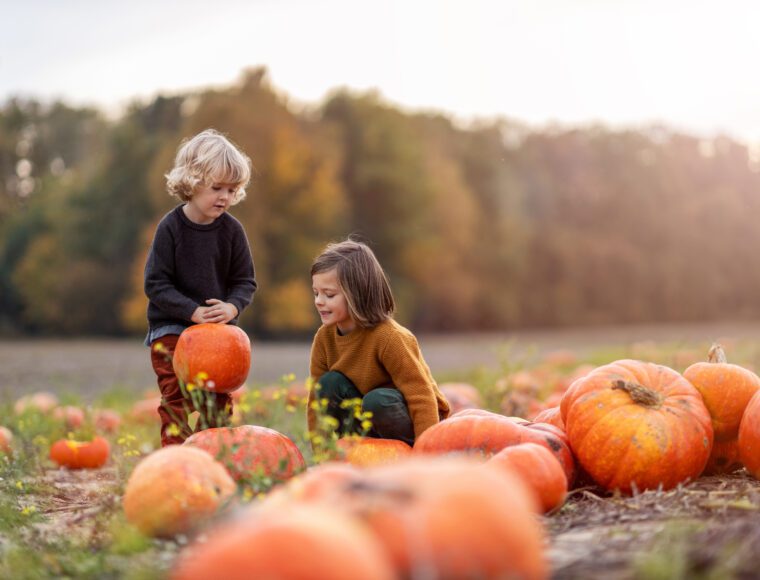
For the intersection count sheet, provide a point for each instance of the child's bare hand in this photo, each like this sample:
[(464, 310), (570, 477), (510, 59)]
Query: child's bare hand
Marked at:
[(218, 311)]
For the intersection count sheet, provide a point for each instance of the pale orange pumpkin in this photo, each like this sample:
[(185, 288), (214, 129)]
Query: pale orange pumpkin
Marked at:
[(726, 389), (216, 357), (175, 490)]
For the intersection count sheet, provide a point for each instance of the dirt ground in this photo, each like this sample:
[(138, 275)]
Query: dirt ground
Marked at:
[(91, 366)]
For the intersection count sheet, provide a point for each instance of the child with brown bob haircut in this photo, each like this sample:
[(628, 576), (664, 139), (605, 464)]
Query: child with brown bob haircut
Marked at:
[(199, 269), (360, 352)]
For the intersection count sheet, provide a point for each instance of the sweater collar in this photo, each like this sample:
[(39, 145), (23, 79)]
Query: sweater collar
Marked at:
[(191, 224)]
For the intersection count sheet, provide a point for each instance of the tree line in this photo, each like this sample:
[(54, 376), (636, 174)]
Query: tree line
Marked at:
[(488, 226)]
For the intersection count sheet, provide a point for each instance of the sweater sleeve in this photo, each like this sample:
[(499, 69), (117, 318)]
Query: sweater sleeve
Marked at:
[(317, 368), (159, 277), (242, 280), (410, 374)]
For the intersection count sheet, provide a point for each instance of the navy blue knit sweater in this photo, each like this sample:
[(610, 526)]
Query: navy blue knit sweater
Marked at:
[(189, 263)]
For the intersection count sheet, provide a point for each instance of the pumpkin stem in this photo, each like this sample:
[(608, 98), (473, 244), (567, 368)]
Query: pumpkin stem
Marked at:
[(716, 354), (640, 394)]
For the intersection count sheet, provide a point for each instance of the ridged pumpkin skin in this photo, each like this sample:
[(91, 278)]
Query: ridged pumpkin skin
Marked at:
[(174, 490), (539, 469), (552, 416), (637, 424), (726, 389), (299, 541), (250, 450), (367, 451), (80, 454), (220, 354), (749, 437), (477, 431)]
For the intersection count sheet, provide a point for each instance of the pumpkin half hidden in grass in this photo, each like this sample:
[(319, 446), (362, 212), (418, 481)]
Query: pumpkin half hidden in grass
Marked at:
[(215, 357), (80, 454)]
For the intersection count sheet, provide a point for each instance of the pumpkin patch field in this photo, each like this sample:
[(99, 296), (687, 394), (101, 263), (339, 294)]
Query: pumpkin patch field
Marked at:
[(635, 460)]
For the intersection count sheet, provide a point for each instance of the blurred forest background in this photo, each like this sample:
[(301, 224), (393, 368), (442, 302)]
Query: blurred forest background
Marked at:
[(488, 226)]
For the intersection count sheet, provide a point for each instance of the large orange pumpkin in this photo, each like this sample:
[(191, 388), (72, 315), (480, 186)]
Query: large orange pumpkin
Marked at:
[(301, 541), (174, 490), (749, 436), (477, 431), (80, 454), (250, 450), (538, 468), (366, 451), (449, 518), (634, 424), (216, 357), (726, 389)]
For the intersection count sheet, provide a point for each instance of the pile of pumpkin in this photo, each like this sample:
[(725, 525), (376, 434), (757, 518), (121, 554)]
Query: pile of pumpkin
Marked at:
[(465, 500)]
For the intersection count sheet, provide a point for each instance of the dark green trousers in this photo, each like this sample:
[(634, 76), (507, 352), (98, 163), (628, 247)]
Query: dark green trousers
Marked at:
[(390, 415)]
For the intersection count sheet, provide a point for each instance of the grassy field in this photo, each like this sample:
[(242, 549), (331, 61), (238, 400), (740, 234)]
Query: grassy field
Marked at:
[(58, 523)]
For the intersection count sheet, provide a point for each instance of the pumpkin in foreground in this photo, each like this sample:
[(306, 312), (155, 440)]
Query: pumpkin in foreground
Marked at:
[(442, 517), (174, 490), (216, 357), (250, 451), (296, 542), (80, 454), (637, 425)]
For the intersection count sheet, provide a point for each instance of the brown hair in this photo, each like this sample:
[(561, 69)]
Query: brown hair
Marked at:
[(361, 279)]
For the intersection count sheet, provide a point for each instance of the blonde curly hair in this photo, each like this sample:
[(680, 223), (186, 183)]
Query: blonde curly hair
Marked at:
[(208, 158)]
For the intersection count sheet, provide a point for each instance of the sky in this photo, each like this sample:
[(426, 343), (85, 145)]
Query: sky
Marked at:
[(691, 65)]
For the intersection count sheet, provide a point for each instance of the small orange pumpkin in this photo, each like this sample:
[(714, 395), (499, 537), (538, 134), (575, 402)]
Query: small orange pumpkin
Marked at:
[(538, 468), (366, 451), (726, 389), (71, 416), (6, 440), (216, 357), (634, 424), (80, 454), (552, 416)]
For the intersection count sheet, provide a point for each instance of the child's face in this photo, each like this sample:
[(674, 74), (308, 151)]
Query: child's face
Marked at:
[(210, 201), (330, 301)]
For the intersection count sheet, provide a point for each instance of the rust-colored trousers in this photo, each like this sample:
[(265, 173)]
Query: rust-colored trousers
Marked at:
[(215, 409)]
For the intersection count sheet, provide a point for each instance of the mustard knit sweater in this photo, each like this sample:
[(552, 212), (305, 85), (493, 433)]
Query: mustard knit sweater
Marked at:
[(386, 355)]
